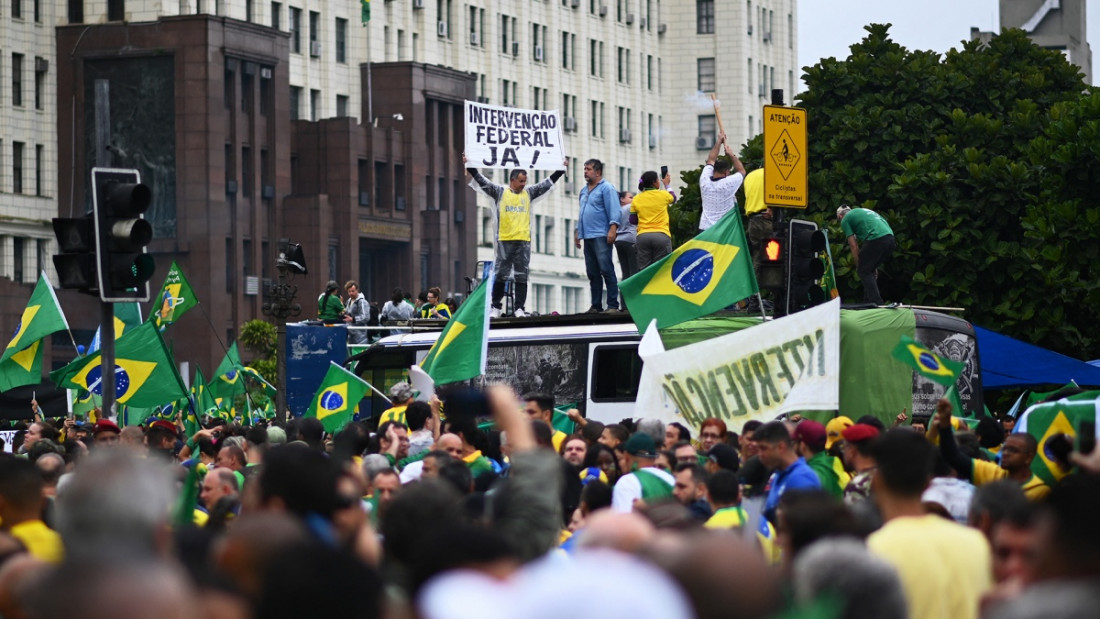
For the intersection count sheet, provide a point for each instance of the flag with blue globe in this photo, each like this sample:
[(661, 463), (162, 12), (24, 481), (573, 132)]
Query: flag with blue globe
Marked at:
[(337, 398)]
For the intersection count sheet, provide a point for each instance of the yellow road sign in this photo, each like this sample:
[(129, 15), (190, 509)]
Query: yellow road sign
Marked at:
[(785, 154)]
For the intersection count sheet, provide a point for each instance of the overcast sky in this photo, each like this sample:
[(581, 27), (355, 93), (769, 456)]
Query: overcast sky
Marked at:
[(828, 27)]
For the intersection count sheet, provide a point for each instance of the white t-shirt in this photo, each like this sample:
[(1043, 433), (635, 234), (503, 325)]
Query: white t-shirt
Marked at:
[(628, 489), (719, 196)]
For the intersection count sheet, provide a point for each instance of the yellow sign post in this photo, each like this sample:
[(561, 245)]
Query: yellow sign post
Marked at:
[(785, 154)]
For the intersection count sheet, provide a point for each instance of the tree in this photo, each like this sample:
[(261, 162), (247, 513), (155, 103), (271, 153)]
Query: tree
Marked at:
[(261, 338), (960, 155)]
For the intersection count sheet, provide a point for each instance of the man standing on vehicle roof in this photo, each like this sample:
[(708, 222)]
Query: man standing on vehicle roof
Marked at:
[(597, 227), (866, 227), (513, 224)]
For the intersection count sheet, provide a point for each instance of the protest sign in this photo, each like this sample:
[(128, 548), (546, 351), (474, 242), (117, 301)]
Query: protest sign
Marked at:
[(507, 137), (784, 365)]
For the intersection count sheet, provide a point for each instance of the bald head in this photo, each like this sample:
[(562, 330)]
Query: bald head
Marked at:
[(623, 532), (450, 443)]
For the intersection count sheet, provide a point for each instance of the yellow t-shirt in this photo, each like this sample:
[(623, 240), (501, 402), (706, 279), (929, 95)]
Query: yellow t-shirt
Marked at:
[(651, 207), (397, 413), (515, 216), (754, 192), (556, 439), (41, 541), (983, 472), (944, 567), (734, 518)]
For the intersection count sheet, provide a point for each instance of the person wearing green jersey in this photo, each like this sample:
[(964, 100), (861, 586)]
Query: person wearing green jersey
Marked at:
[(872, 242)]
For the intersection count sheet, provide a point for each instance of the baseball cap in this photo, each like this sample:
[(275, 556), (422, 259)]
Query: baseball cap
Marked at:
[(725, 456), (812, 433), (641, 445), (401, 392), (834, 428)]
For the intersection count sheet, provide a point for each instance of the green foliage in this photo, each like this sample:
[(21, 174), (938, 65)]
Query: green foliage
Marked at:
[(259, 337), (983, 162)]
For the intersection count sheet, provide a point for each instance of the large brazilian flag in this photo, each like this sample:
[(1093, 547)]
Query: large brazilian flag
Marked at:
[(708, 273)]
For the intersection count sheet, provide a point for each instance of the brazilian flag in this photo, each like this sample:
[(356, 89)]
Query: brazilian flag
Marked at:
[(21, 362), (706, 274), (175, 298), (22, 368), (227, 377), (461, 349), (41, 317), (927, 363), (335, 401), (145, 374), (1049, 419), (252, 374)]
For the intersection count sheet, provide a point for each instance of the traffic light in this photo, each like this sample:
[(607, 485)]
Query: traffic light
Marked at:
[(804, 265), (119, 201), (76, 262), (772, 261)]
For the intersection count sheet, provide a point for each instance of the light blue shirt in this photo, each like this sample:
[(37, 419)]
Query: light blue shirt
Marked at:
[(599, 209)]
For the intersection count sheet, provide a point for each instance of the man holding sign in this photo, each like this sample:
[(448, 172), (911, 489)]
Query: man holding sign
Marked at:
[(513, 224)]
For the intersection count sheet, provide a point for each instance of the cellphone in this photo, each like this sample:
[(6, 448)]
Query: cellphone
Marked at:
[(1086, 437), (664, 171)]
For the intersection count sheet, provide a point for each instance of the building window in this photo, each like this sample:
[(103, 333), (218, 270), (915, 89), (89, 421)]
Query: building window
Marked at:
[(76, 11), (39, 168), (17, 79), (246, 171), (37, 11), (341, 105), (265, 90), (706, 74), (248, 10), (543, 293), (341, 40), (265, 173), (704, 16), (116, 10), (295, 30), (295, 102), (314, 104), (246, 87), (17, 9), (708, 128), (40, 65), (277, 15), (17, 167), (17, 262)]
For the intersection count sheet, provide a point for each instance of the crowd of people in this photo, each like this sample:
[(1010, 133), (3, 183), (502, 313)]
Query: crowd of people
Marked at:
[(478, 506)]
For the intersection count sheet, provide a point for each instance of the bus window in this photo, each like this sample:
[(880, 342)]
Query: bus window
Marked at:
[(616, 370)]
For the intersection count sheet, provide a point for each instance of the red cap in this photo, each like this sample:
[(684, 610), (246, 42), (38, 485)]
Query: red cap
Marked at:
[(810, 432), (106, 425), (859, 433), (164, 425)]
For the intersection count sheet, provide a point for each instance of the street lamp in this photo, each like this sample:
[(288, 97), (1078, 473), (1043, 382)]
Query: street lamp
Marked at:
[(280, 306)]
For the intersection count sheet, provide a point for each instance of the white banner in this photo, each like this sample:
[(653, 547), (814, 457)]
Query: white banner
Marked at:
[(7, 436), (789, 364), (508, 137)]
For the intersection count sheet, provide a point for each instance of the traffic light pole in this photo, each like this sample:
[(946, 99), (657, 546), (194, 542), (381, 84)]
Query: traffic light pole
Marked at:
[(106, 308)]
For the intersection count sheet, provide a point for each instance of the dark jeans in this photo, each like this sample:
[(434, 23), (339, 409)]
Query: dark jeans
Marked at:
[(871, 256), (601, 272), (512, 256)]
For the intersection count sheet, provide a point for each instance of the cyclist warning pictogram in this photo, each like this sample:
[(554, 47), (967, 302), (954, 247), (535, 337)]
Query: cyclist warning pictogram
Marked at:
[(785, 160), (785, 154)]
